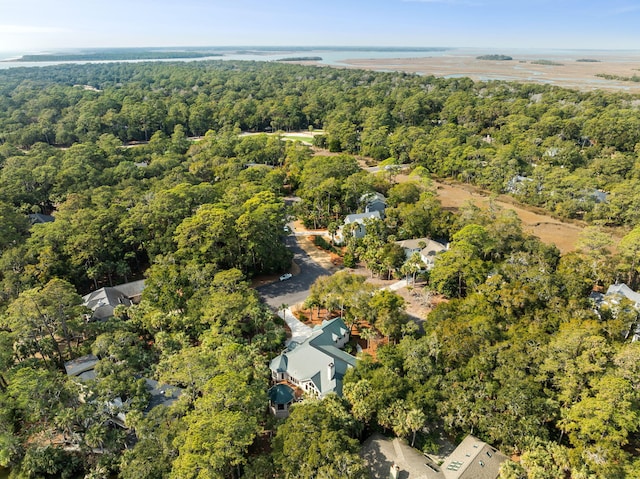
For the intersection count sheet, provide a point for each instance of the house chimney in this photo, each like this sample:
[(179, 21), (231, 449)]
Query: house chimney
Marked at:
[(394, 472), (331, 370)]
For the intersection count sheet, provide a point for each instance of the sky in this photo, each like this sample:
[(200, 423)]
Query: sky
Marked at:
[(47, 25)]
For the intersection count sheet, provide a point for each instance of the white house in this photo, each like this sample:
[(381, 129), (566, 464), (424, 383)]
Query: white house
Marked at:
[(612, 298), (427, 248), (617, 291), (359, 220)]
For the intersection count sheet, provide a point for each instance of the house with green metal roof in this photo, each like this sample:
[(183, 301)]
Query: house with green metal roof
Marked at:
[(281, 397), (317, 365)]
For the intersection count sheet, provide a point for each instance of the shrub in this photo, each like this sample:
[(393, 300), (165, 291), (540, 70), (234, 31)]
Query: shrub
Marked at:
[(322, 243)]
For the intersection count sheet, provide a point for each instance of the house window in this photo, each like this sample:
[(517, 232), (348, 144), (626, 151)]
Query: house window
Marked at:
[(280, 407)]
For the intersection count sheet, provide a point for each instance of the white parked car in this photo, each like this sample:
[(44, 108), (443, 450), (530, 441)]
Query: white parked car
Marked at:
[(285, 276)]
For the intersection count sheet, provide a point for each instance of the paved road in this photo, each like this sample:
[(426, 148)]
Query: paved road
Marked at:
[(296, 289)]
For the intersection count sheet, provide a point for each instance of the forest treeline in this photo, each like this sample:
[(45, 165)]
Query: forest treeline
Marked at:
[(569, 144), (518, 354)]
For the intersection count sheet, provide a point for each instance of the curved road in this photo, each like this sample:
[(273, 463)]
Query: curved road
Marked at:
[(296, 289)]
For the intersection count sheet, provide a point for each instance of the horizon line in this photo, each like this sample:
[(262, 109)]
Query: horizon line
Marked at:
[(319, 47)]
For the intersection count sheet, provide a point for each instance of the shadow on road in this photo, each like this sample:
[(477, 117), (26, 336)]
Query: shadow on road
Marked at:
[(296, 289)]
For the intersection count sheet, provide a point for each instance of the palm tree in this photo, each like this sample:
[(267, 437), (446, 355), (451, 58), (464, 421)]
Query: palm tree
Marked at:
[(332, 229), (415, 420), (350, 320), (412, 266), (368, 334)]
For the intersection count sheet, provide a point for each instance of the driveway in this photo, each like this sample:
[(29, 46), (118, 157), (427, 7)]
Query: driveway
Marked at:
[(296, 289), (299, 330)]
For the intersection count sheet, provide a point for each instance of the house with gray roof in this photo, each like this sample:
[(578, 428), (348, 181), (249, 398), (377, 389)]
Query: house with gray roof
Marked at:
[(612, 299), (617, 291), (359, 220), (427, 248), (599, 196), (317, 365), (517, 184), (104, 300), (374, 201), (83, 368), (472, 459), (39, 218)]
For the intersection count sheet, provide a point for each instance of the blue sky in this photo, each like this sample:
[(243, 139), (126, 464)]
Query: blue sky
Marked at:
[(34, 25)]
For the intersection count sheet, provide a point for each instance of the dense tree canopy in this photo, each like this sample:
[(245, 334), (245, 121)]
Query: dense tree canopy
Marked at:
[(515, 354)]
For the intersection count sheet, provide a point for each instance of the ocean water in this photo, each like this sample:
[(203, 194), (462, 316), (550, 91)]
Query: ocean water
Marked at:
[(329, 56), (338, 55)]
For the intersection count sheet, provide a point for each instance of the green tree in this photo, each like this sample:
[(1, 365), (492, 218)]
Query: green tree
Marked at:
[(594, 244), (576, 354), (206, 236), (40, 315), (388, 310), (190, 368), (458, 271), (14, 226), (214, 445), (629, 257), (361, 398), (259, 229), (546, 461), (222, 426), (600, 424), (232, 312), (315, 442)]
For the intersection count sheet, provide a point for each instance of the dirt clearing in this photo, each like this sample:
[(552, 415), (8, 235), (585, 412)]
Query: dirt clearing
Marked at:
[(549, 229)]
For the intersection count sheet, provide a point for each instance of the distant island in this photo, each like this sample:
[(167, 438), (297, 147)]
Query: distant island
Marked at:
[(588, 60), (114, 56), (546, 62), (495, 57), (300, 59)]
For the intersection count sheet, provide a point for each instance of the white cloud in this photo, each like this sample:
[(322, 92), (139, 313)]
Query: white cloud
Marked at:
[(30, 29)]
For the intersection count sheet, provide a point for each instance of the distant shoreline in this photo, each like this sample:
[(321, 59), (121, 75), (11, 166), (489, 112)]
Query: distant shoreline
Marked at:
[(111, 56), (581, 69)]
